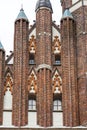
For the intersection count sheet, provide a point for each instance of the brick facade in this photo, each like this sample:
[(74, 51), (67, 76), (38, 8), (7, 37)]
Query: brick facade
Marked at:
[(79, 15), (2, 68), (20, 88), (66, 4), (44, 93), (81, 20), (58, 69), (70, 91)]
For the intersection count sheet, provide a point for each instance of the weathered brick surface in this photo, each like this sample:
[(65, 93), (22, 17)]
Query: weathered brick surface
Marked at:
[(66, 4), (74, 70), (2, 68), (80, 16), (44, 93), (20, 92), (69, 73)]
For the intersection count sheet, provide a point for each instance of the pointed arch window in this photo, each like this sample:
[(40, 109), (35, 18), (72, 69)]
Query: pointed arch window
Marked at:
[(8, 86), (57, 59), (57, 50), (57, 83), (32, 50), (32, 83), (31, 104), (57, 105), (31, 58)]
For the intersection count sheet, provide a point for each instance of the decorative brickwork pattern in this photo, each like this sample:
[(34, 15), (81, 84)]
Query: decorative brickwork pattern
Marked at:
[(8, 85), (56, 83), (38, 75), (32, 83)]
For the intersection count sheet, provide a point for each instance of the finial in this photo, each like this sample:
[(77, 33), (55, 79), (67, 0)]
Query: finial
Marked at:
[(21, 6)]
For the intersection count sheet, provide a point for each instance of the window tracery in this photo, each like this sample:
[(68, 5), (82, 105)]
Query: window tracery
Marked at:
[(56, 45), (32, 83), (8, 83), (32, 44), (57, 83)]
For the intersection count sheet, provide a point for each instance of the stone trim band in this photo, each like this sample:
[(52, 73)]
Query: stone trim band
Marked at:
[(42, 66)]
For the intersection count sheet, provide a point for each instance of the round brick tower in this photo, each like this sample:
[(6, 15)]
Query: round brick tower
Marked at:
[(20, 93), (2, 68), (44, 40), (69, 73), (79, 11), (66, 4)]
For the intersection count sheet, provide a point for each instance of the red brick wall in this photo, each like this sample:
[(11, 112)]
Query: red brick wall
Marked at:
[(44, 93), (2, 68), (66, 4), (69, 73), (20, 92), (81, 20), (44, 31)]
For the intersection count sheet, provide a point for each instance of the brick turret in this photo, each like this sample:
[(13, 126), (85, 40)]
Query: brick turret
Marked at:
[(79, 11), (44, 40), (66, 4), (2, 68), (20, 92), (69, 73)]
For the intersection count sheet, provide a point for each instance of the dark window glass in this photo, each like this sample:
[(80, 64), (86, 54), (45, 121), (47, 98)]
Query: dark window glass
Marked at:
[(57, 59), (31, 59)]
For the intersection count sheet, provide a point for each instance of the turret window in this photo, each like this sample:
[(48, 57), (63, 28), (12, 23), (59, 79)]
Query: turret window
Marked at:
[(31, 58), (57, 59), (57, 105), (32, 104)]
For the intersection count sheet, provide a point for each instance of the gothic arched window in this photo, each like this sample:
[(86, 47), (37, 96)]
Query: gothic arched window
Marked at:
[(57, 59), (57, 105), (57, 83), (32, 49), (32, 104)]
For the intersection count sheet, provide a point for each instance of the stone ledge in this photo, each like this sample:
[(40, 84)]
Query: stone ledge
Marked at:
[(43, 128)]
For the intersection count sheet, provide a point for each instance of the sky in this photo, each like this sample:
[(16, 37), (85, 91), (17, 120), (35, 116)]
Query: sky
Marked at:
[(9, 10)]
